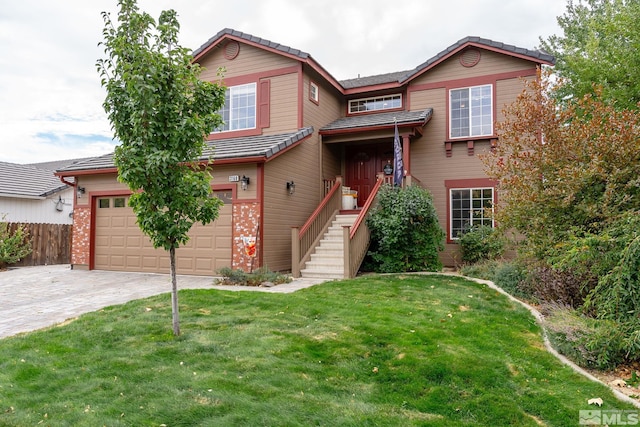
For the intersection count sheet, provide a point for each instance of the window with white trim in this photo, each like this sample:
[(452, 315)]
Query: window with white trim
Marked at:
[(471, 111), (314, 92), (469, 207), (239, 111), (363, 105)]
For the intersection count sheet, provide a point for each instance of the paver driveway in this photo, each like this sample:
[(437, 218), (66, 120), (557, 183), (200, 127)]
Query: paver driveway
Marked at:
[(36, 297)]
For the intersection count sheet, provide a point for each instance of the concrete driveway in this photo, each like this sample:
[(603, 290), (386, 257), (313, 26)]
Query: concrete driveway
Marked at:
[(37, 297)]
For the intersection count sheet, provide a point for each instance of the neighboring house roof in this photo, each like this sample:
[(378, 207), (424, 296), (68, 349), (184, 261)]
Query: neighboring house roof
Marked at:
[(57, 164), (387, 119), (230, 149), (27, 181)]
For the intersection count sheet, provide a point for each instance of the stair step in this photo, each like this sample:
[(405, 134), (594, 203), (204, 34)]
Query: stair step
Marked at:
[(327, 261)]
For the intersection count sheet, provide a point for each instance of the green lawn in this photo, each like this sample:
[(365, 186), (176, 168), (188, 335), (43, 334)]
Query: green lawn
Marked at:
[(402, 350)]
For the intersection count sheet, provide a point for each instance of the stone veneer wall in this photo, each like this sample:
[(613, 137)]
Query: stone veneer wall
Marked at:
[(246, 217), (80, 237)]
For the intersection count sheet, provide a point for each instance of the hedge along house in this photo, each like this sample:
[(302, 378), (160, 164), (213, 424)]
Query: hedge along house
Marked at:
[(295, 137)]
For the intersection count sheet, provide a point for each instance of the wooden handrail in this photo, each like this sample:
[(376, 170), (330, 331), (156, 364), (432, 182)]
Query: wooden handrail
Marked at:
[(336, 187), (366, 207)]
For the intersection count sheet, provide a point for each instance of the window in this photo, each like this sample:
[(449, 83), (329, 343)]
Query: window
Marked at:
[(119, 202), (375, 104), (314, 92), (471, 111), (103, 203), (239, 111), (469, 207)]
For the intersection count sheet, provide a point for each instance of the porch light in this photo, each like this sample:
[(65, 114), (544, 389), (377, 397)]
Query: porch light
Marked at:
[(291, 187), (388, 169), (80, 191), (244, 182)]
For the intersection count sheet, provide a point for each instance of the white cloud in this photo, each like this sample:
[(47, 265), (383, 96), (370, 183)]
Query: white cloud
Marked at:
[(50, 94)]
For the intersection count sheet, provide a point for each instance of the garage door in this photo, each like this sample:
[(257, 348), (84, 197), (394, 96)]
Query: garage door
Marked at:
[(121, 246)]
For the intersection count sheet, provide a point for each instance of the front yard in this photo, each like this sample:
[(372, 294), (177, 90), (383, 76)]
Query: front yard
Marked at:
[(402, 350)]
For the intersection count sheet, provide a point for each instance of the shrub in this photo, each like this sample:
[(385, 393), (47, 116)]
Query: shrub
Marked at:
[(405, 233), (485, 269), (564, 287), (13, 246), (591, 343), (481, 243), (256, 278), (511, 277)]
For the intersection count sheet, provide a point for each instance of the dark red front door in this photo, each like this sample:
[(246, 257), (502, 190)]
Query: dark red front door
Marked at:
[(362, 164)]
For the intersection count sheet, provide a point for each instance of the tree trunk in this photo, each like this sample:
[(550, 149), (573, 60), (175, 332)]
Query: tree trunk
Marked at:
[(174, 293)]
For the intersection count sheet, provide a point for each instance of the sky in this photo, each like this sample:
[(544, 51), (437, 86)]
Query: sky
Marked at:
[(50, 93)]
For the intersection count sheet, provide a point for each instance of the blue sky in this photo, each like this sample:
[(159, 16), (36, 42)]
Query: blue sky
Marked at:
[(50, 94)]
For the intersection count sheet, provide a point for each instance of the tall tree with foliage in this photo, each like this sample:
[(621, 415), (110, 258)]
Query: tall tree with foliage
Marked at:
[(160, 112), (601, 46), (565, 171)]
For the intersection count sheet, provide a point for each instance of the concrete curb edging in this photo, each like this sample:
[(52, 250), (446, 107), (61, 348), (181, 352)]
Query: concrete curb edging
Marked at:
[(540, 320)]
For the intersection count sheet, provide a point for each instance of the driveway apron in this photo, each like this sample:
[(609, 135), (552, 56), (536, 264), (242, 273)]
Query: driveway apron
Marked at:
[(37, 297)]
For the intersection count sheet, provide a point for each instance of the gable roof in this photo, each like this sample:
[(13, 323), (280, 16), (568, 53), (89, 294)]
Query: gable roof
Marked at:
[(27, 181), (402, 77), (397, 78), (228, 150)]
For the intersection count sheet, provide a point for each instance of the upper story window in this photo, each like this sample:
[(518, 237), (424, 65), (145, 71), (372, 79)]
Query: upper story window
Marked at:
[(314, 92), (375, 104), (239, 111), (471, 111)]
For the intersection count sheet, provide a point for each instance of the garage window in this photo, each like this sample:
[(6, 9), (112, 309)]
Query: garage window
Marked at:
[(103, 203), (119, 202)]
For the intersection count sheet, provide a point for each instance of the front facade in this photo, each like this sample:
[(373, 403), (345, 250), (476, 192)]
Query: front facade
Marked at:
[(291, 129)]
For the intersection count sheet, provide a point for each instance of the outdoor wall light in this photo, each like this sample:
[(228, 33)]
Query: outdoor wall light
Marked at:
[(244, 182), (80, 191), (291, 187)]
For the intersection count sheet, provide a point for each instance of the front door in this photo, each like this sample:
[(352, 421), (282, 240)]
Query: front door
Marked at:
[(362, 163)]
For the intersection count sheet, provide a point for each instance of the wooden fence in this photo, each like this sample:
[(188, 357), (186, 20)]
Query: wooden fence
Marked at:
[(50, 243)]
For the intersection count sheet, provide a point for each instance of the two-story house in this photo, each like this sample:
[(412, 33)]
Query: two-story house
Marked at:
[(295, 137)]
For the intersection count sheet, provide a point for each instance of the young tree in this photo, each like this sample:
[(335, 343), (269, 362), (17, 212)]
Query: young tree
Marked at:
[(600, 45), (160, 112)]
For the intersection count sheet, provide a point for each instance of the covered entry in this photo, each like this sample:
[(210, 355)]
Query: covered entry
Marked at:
[(119, 245)]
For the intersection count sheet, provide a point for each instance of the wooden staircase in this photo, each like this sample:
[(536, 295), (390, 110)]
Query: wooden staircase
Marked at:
[(327, 261)]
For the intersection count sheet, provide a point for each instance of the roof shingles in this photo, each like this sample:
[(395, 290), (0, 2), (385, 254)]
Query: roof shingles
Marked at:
[(262, 146), (27, 181)]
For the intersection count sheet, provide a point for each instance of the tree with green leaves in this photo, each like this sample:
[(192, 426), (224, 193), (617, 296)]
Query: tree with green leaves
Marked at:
[(601, 47), (160, 112)]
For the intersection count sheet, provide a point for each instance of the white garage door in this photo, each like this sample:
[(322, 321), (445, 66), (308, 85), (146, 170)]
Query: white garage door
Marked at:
[(121, 246)]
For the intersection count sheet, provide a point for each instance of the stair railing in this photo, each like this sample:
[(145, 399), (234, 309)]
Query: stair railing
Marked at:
[(356, 237), (304, 239)]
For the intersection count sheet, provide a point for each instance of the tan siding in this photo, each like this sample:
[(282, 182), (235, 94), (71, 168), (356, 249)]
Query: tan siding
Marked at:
[(281, 210), (430, 165), (284, 104), (506, 93), (328, 109), (250, 60), (490, 63)]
